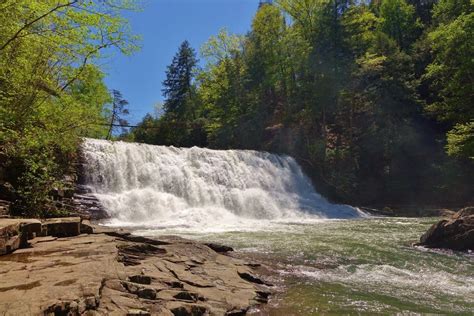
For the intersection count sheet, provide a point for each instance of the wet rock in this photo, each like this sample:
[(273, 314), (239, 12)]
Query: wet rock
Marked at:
[(219, 248), (175, 284), (140, 279), (188, 310), (187, 296), (62, 227), (455, 233), (84, 203), (147, 293), (251, 278)]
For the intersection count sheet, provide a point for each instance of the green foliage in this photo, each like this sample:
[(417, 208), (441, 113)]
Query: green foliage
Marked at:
[(398, 20), (51, 93), (221, 47), (178, 89), (343, 86), (461, 140), (451, 74), (445, 11)]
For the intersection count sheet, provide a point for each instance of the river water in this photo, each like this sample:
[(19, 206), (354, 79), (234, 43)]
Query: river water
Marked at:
[(326, 258), (363, 266)]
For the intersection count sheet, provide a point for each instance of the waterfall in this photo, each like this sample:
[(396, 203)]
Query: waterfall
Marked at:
[(161, 186)]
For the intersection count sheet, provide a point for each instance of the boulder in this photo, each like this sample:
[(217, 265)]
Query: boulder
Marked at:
[(455, 233), (62, 227), (15, 233)]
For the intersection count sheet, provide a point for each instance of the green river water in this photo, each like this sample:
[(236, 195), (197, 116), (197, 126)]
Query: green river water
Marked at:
[(355, 267)]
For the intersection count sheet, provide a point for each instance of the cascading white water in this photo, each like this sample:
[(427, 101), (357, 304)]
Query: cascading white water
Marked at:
[(160, 186)]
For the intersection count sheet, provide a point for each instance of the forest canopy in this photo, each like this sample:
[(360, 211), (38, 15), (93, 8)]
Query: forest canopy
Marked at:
[(373, 98)]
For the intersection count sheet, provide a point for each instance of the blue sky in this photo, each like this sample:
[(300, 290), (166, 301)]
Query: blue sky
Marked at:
[(163, 26)]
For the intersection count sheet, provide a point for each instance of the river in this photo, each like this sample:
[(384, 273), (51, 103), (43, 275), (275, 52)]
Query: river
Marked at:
[(325, 258), (365, 266)]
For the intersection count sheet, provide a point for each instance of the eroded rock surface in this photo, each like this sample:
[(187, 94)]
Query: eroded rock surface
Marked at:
[(114, 273), (456, 232)]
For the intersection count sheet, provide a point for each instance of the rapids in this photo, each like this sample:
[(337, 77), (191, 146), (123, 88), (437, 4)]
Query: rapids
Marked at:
[(353, 267)]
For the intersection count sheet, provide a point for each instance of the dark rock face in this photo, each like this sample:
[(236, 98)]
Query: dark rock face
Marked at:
[(86, 205), (62, 227), (456, 233)]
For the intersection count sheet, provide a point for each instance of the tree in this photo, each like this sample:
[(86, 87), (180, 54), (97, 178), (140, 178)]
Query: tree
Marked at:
[(423, 9), (452, 75), (339, 85), (221, 47), (264, 46), (117, 112), (178, 89), (446, 11), (51, 90), (399, 22), (146, 130)]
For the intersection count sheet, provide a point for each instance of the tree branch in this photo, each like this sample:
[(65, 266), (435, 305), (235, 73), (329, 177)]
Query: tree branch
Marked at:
[(84, 63), (27, 25)]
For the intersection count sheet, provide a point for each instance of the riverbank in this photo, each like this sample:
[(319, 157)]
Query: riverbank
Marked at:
[(113, 272)]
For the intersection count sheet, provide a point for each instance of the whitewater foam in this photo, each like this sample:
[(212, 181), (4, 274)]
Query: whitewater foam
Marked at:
[(159, 186), (392, 280)]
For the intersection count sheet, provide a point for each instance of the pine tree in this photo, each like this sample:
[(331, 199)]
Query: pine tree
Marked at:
[(178, 88), (118, 110)]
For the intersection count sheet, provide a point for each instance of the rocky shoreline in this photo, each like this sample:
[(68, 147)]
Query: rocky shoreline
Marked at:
[(104, 271)]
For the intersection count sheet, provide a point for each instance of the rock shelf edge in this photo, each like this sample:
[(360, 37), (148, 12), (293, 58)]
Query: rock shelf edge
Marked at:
[(113, 272)]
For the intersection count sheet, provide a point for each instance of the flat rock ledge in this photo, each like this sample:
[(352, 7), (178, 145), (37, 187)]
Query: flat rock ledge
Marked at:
[(110, 272), (455, 232)]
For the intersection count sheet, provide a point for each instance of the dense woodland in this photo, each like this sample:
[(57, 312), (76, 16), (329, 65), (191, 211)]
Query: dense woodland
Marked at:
[(52, 91), (373, 98)]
